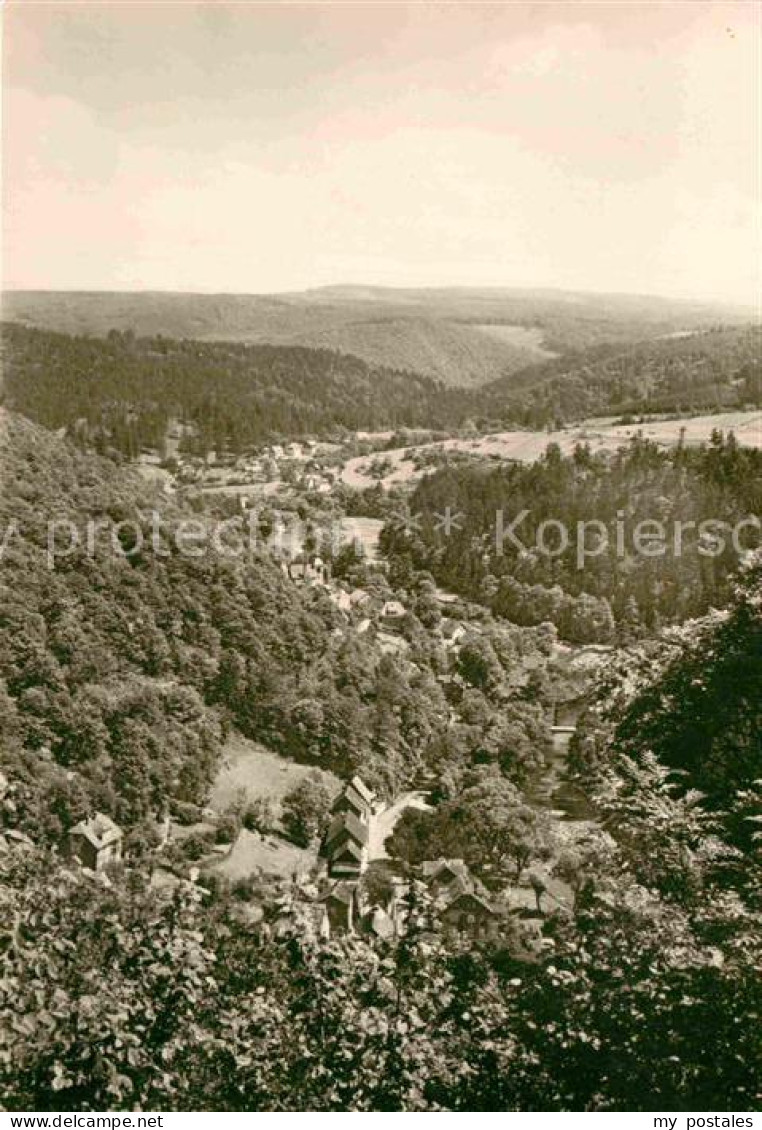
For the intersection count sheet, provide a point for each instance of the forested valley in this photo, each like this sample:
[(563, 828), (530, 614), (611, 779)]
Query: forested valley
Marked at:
[(595, 584), (125, 997), (119, 393), (706, 371), (125, 669)]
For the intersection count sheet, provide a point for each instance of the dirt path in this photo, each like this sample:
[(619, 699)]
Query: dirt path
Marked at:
[(382, 825)]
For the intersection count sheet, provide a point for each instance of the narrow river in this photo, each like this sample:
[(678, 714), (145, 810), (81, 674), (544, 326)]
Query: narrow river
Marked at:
[(552, 792)]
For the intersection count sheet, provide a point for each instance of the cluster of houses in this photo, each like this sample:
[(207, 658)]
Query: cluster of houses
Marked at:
[(309, 465), (305, 570), (309, 570), (386, 614), (459, 901), (462, 904)]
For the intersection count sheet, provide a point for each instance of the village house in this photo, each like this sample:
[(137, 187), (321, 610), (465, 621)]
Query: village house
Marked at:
[(347, 856), (13, 838), (466, 912), (378, 923), (351, 800), (366, 603), (308, 571), (96, 842), (441, 873), (360, 787), (346, 842), (463, 903), (344, 913), (392, 614), (345, 845), (341, 910), (340, 598)]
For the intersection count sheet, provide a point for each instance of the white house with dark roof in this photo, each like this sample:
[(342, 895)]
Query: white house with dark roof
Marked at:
[(393, 613), (96, 842)]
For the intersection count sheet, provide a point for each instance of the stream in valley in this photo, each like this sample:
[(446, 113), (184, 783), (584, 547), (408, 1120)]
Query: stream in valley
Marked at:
[(551, 790)]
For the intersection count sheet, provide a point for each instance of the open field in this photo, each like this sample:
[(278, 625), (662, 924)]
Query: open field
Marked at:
[(526, 446), (271, 855), (244, 490), (258, 771), (250, 767)]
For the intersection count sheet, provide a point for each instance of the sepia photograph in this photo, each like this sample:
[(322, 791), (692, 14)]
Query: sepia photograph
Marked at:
[(381, 561)]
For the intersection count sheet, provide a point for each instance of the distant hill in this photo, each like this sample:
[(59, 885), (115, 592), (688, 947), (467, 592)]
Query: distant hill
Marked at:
[(705, 371), (460, 336), (121, 391)]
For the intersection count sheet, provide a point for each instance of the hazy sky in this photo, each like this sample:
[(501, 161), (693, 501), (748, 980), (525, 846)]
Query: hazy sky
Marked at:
[(265, 147)]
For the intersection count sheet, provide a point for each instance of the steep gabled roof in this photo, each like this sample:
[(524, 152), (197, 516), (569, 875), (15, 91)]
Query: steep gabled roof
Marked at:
[(352, 797), (344, 849), (339, 892), (439, 868), (346, 826), (458, 894), (359, 785), (99, 830)]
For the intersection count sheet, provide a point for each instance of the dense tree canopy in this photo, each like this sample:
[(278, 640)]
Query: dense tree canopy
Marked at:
[(121, 670), (120, 391), (566, 540)]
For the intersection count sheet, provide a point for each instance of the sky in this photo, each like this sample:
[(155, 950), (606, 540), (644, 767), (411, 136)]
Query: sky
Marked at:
[(268, 147)]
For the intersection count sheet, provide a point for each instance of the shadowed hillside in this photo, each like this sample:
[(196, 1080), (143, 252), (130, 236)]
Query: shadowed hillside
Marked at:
[(459, 336)]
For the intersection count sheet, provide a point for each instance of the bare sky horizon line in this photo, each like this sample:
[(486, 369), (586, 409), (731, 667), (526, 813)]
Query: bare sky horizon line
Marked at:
[(217, 148)]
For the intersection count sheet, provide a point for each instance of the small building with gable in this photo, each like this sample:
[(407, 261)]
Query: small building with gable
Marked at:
[(96, 842), (341, 909), (463, 904)]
